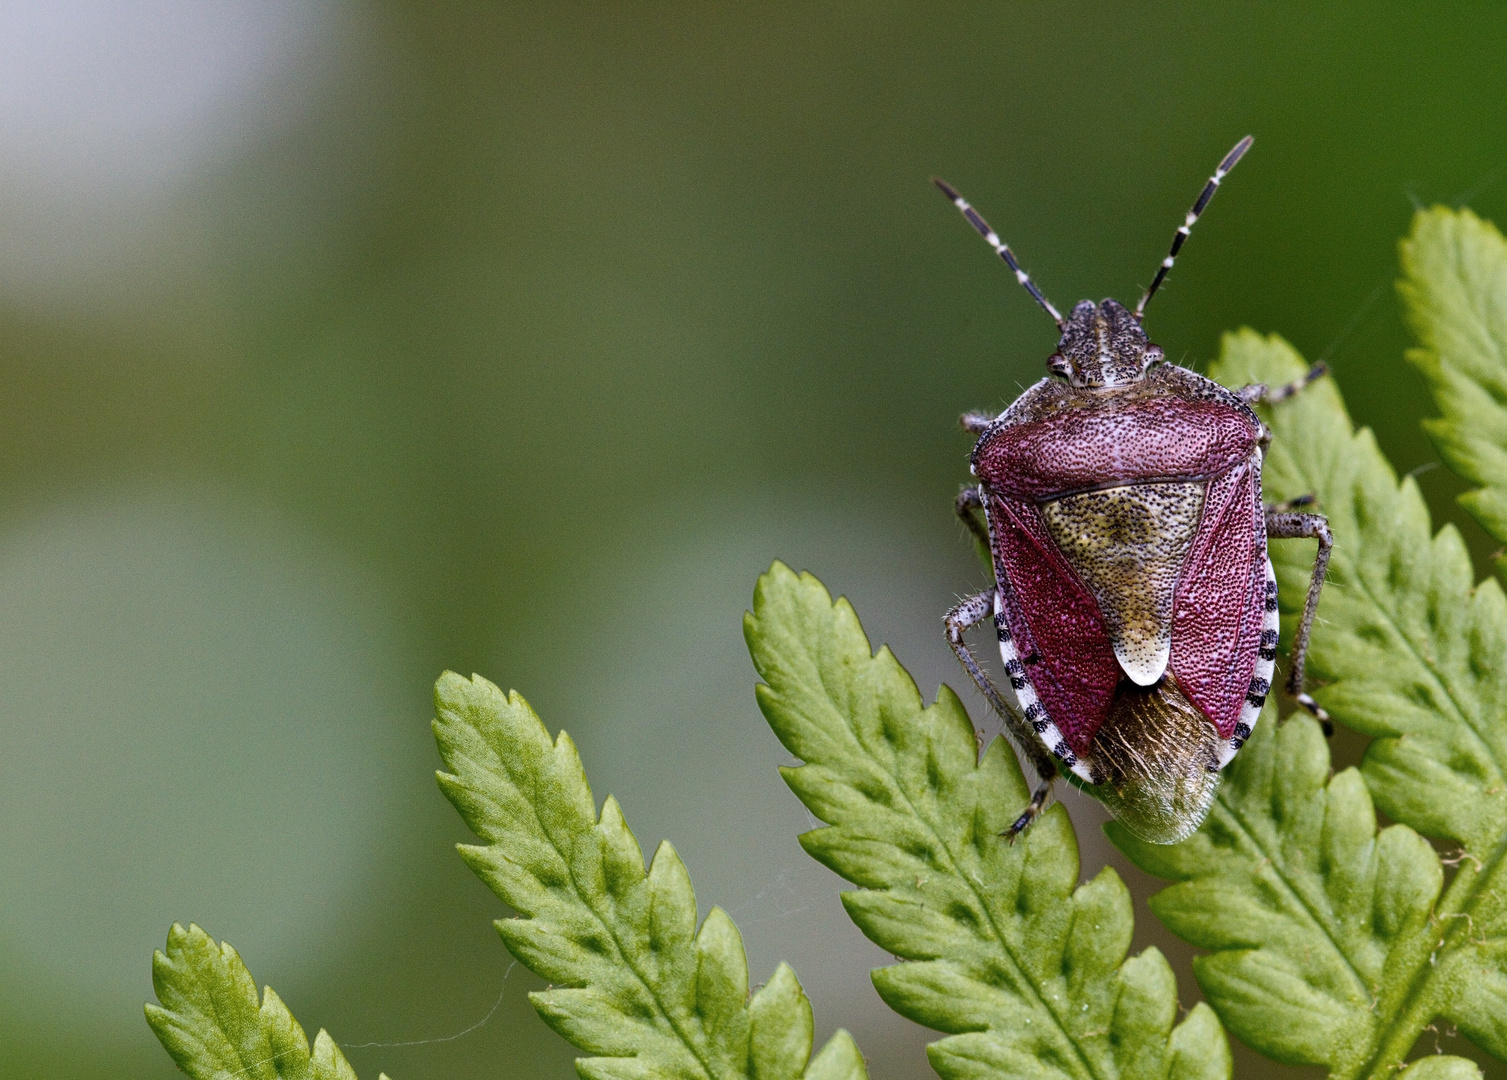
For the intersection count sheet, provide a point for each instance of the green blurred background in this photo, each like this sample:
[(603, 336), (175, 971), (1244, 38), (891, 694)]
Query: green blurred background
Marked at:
[(344, 344)]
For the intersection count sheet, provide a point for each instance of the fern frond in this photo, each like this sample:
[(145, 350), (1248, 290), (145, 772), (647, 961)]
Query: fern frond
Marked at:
[(212, 1025), (1024, 968), (1454, 292), (1331, 943), (1308, 911), (634, 983)]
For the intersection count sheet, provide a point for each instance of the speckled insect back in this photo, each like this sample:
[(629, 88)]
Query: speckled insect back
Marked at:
[(1134, 603)]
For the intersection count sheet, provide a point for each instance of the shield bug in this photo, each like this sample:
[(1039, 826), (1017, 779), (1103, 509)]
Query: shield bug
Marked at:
[(1135, 605)]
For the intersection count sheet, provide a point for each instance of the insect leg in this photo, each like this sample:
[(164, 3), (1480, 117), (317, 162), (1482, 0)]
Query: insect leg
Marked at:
[(975, 422), (1031, 812), (970, 499), (1260, 393), (1281, 525), (959, 620)]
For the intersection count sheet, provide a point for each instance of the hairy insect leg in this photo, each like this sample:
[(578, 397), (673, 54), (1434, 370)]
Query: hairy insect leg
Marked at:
[(968, 614), (1282, 525), (1031, 812), (958, 621), (970, 501), (1260, 393)]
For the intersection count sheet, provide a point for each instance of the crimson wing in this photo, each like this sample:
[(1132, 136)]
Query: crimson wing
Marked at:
[(1058, 630), (1221, 600)]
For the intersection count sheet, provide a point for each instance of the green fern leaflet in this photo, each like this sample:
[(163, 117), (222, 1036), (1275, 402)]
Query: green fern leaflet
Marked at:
[(1021, 966), (634, 983), (1454, 291), (212, 1025)]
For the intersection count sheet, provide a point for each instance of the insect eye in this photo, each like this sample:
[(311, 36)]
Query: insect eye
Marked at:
[(1154, 355), (1057, 364)]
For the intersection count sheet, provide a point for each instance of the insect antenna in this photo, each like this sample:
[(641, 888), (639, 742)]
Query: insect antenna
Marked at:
[(1181, 235), (1000, 247)]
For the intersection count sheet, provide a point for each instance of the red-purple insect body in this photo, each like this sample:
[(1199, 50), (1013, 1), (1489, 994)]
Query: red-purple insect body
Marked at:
[(1134, 603)]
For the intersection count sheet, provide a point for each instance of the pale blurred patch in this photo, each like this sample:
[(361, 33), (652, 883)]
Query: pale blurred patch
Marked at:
[(195, 723), (109, 108)]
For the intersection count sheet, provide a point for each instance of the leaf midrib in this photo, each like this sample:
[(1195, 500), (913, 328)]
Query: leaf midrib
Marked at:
[(1464, 892), (214, 1000), (1021, 971)]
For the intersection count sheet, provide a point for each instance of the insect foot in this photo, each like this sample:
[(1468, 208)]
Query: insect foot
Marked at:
[(1134, 603), (1031, 813)]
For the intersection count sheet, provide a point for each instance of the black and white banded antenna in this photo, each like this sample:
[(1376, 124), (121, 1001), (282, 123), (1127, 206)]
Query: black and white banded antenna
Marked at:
[(1181, 235), (1000, 247)]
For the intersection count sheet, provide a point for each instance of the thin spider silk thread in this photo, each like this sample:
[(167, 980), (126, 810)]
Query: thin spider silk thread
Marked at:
[(229, 1074)]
